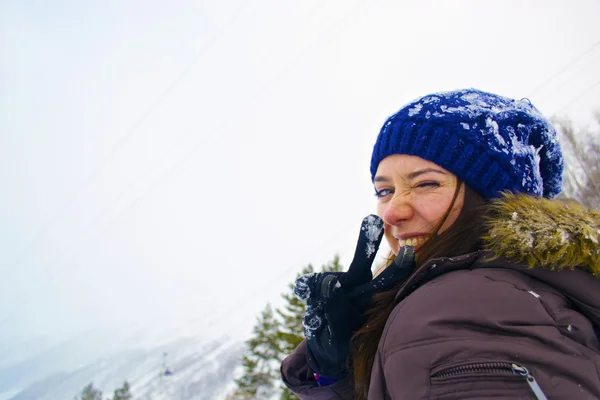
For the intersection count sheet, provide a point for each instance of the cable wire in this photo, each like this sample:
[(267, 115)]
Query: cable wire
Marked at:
[(576, 98), (125, 138), (192, 149), (565, 68)]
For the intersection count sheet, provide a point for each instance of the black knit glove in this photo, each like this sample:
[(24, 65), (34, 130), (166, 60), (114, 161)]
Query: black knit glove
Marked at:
[(336, 301)]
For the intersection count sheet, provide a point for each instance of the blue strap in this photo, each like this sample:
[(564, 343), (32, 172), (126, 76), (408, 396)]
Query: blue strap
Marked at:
[(324, 381)]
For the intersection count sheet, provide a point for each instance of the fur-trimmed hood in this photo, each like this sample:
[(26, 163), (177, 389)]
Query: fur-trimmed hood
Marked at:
[(539, 232)]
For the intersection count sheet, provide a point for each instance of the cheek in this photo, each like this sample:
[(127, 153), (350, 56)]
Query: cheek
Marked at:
[(432, 209)]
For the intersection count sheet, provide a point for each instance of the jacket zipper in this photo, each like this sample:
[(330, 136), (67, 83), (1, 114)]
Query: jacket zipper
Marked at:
[(493, 367), (535, 388)]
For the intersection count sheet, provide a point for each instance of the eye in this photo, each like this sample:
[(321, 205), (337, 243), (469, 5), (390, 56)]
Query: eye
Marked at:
[(428, 184), (381, 193)]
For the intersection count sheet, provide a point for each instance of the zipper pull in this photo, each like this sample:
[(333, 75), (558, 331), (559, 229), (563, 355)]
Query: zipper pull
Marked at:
[(535, 388)]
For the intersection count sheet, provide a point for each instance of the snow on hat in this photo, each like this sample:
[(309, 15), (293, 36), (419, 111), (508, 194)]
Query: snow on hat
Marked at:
[(492, 143)]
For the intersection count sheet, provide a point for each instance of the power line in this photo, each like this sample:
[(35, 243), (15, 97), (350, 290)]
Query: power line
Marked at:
[(566, 84), (125, 138), (565, 68), (193, 148), (264, 88), (92, 178), (579, 96), (231, 310)]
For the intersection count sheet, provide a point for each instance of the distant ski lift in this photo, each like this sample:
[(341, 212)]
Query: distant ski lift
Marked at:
[(165, 371)]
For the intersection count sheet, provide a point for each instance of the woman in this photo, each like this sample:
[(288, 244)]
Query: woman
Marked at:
[(503, 300)]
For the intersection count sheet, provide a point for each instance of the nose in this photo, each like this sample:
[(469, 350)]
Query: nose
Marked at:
[(397, 210)]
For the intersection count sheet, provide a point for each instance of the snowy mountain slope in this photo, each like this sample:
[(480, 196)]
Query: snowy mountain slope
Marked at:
[(201, 370)]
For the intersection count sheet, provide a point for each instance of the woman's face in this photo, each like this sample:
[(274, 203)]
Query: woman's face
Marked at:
[(413, 196)]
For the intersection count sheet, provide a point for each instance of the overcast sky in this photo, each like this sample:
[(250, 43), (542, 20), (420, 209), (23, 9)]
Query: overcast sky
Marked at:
[(163, 161)]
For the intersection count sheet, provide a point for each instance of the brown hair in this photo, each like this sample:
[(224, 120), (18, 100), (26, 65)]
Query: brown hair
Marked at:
[(460, 238)]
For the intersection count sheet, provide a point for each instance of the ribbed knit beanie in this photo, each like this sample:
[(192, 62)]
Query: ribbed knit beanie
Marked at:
[(490, 142)]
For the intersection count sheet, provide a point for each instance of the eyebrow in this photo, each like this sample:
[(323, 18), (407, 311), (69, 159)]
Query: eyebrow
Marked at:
[(412, 175)]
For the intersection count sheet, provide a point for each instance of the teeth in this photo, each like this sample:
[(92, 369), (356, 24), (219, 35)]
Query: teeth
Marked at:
[(411, 242)]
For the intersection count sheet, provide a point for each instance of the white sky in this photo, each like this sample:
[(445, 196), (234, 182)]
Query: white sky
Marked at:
[(161, 161)]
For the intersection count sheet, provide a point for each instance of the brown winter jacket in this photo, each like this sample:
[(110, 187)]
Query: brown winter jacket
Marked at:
[(465, 325)]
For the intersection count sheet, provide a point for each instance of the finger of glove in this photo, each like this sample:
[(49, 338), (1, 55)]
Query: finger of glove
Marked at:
[(305, 285), (369, 238), (394, 274), (310, 286)]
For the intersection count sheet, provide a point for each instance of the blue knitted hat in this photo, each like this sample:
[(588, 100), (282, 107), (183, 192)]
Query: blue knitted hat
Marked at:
[(492, 143)]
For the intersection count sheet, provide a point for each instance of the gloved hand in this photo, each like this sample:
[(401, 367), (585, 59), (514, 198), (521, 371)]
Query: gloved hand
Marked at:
[(336, 302)]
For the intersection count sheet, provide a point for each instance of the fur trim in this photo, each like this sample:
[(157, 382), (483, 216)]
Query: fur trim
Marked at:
[(556, 234)]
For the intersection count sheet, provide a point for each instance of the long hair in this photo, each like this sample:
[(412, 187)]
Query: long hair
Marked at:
[(460, 238)]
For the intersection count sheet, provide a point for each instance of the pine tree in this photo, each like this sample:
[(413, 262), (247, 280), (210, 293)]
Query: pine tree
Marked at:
[(90, 393), (123, 392), (257, 381), (290, 334)]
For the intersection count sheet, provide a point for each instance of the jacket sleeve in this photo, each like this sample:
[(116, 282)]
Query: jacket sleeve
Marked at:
[(298, 376)]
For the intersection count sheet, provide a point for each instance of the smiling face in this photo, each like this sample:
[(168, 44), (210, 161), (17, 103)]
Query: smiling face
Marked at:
[(413, 196)]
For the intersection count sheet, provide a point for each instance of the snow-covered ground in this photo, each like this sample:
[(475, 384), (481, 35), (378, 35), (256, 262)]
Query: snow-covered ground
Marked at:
[(201, 368)]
